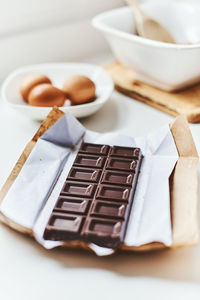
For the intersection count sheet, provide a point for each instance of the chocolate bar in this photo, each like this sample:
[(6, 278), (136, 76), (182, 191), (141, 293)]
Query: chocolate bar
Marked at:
[(95, 201)]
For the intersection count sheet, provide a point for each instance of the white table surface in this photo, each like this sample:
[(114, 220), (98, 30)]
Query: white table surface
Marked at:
[(27, 271)]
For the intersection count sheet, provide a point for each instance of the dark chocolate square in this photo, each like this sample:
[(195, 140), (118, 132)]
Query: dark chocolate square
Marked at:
[(72, 205), (63, 227), (97, 149), (84, 174), (83, 160), (78, 189), (114, 163), (126, 152), (117, 177), (113, 192), (108, 209)]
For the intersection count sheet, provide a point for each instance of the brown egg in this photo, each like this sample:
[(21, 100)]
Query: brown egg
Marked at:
[(79, 89), (46, 95), (30, 82)]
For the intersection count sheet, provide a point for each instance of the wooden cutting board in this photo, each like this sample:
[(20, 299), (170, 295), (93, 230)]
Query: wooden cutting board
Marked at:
[(185, 102)]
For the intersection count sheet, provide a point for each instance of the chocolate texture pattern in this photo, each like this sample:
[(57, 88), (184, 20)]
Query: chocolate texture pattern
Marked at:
[(95, 202)]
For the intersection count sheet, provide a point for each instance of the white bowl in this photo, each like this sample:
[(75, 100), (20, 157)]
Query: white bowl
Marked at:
[(166, 66), (58, 72)]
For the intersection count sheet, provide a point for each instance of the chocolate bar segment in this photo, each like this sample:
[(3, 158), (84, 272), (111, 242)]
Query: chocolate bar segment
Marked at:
[(108, 209), (127, 152), (114, 163), (117, 177), (61, 224), (112, 192), (84, 174), (83, 160), (96, 199), (109, 231), (88, 148), (81, 189), (72, 205)]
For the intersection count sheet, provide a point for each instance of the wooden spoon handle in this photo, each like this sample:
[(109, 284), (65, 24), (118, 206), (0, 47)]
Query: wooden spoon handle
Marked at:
[(135, 6)]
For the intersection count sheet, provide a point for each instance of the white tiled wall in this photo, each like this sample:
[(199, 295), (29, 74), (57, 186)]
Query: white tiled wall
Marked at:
[(34, 31)]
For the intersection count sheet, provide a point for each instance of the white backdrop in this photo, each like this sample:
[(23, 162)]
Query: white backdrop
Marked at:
[(34, 31)]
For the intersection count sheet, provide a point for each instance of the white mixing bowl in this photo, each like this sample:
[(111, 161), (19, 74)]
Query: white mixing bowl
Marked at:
[(166, 66)]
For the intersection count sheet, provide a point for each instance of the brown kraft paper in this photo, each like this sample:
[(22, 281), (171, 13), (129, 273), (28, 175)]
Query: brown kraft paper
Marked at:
[(183, 187)]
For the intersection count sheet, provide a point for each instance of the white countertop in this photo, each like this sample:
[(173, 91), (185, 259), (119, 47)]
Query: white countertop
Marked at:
[(27, 271)]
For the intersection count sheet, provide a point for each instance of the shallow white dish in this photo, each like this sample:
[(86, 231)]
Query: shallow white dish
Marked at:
[(167, 66), (58, 72)]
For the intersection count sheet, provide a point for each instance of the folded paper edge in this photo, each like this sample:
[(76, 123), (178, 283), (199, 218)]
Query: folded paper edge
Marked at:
[(183, 191), (54, 115), (183, 137), (179, 129), (184, 187)]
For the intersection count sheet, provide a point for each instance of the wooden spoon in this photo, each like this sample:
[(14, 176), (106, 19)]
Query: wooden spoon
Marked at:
[(147, 27)]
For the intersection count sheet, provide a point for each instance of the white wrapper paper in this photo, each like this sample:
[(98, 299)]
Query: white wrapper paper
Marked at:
[(30, 200)]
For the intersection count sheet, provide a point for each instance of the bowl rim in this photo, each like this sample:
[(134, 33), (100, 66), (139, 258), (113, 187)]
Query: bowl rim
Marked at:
[(20, 70), (98, 23)]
